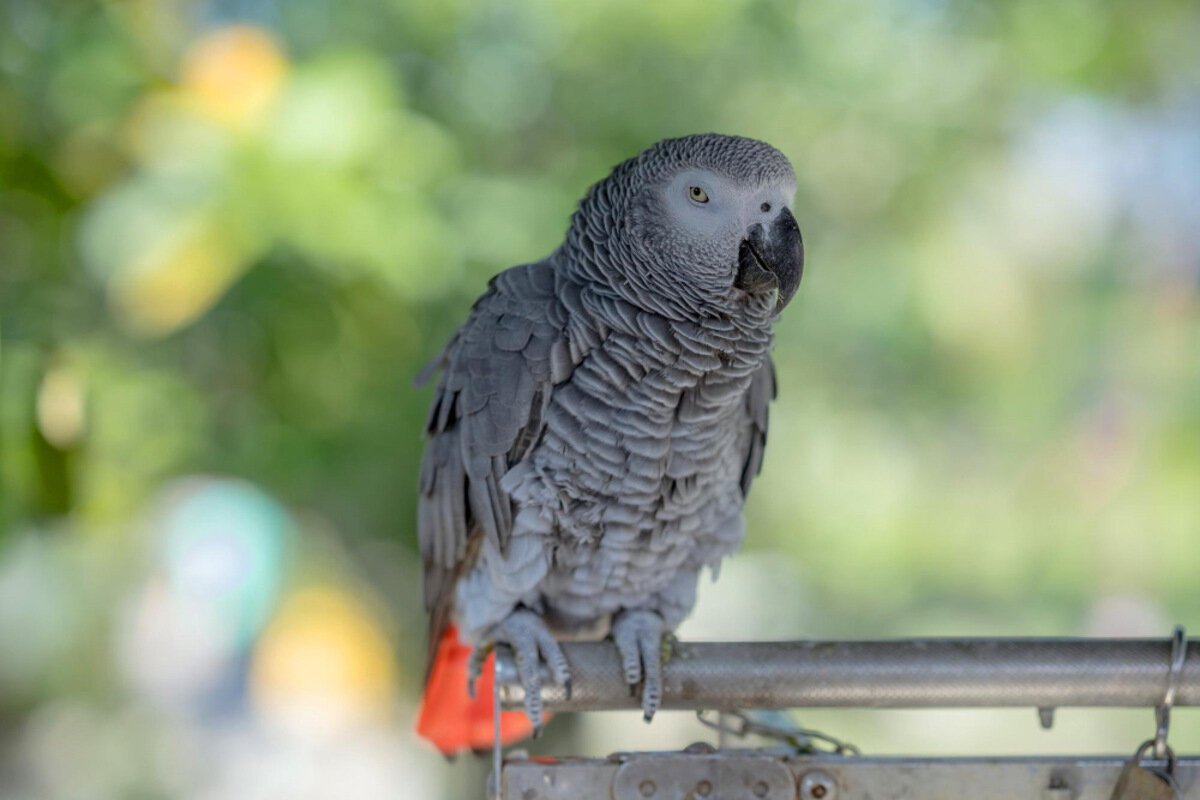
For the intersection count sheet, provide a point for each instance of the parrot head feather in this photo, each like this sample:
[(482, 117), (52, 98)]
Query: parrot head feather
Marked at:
[(696, 225)]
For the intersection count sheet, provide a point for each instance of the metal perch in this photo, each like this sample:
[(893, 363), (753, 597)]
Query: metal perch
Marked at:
[(917, 673)]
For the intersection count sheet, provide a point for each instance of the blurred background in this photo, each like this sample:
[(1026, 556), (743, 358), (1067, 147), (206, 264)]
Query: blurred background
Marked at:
[(231, 231)]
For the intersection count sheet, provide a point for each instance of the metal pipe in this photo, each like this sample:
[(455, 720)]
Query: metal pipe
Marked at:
[(918, 673)]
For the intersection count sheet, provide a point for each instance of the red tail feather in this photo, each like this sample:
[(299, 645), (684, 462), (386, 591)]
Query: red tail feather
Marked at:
[(449, 717)]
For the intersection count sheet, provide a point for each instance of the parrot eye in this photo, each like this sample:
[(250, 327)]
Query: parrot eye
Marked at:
[(698, 194)]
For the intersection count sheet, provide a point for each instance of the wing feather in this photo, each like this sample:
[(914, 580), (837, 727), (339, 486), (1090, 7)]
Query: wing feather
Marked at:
[(759, 395), (497, 375)]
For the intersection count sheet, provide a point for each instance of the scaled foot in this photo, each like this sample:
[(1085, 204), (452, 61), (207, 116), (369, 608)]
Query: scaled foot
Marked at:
[(532, 644), (641, 638)]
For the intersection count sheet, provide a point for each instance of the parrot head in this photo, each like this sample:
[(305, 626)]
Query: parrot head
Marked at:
[(703, 222)]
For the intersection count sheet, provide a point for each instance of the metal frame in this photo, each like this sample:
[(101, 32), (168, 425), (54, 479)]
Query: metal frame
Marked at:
[(754, 775), (916, 673)]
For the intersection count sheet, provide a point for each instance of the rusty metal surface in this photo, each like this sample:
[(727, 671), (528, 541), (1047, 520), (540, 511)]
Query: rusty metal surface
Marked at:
[(880, 674), (679, 776)]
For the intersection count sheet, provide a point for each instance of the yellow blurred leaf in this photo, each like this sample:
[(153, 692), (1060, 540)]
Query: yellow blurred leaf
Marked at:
[(60, 406), (324, 653), (176, 280), (234, 75)]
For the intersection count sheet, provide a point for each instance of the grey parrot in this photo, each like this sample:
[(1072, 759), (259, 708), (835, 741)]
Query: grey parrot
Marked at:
[(602, 413)]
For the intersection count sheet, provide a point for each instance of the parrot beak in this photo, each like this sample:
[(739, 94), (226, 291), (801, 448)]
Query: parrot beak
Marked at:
[(772, 259)]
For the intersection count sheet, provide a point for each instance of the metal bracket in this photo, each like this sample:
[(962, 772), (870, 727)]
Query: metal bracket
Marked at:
[(757, 775), (736, 777)]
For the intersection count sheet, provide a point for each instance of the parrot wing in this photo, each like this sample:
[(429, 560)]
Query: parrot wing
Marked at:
[(759, 395), (498, 371)]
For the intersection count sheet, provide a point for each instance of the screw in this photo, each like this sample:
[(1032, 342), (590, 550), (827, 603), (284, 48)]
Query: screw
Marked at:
[(1046, 717), (761, 789), (647, 788), (818, 785), (1059, 789), (704, 788)]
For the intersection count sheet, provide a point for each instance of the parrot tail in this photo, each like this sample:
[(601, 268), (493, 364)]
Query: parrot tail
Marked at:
[(449, 718)]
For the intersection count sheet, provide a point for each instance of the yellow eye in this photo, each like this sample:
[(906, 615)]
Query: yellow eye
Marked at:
[(698, 194)]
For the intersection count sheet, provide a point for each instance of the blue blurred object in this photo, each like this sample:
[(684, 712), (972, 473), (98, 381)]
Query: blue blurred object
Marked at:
[(223, 544)]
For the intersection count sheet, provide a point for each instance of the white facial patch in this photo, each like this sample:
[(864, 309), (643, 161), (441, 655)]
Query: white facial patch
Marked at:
[(727, 207)]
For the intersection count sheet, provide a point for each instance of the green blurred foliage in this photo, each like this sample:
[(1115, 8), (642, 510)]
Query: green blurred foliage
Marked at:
[(231, 232)]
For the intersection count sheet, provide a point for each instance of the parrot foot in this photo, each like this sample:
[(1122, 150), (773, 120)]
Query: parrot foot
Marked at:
[(526, 633), (641, 641)]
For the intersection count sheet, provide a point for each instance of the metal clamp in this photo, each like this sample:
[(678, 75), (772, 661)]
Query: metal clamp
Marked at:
[(1166, 774), (1162, 712)]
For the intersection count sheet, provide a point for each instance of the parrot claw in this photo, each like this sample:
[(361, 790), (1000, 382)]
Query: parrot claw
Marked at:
[(639, 637), (526, 633), (475, 665)]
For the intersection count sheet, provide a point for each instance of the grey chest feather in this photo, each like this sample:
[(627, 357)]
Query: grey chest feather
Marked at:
[(640, 462)]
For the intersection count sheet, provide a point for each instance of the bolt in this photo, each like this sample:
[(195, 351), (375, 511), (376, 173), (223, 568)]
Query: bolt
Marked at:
[(704, 788), (761, 789), (1046, 717), (818, 785), (1059, 789), (647, 788)]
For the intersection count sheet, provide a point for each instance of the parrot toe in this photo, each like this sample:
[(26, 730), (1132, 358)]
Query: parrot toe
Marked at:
[(638, 636), (532, 645)]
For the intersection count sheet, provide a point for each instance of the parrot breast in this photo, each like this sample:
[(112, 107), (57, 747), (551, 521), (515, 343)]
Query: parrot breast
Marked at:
[(637, 473)]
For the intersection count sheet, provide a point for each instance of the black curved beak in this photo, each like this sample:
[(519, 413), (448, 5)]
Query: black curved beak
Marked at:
[(772, 259)]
